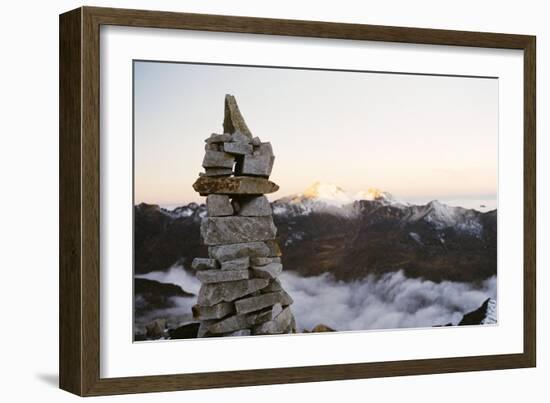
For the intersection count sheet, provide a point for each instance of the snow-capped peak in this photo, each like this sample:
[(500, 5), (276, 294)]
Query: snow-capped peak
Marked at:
[(373, 194), (327, 197), (327, 193), (334, 195)]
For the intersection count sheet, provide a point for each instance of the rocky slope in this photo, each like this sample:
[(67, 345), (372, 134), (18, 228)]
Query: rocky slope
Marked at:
[(486, 314), (350, 236)]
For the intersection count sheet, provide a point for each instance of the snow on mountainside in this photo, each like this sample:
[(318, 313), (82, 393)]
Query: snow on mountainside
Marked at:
[(186, 211), (325, 193), (326, 198), (490, 313), (486, 314), (443, 216), (329, 198)]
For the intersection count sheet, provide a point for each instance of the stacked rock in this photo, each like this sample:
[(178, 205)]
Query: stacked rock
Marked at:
[(240, 292)]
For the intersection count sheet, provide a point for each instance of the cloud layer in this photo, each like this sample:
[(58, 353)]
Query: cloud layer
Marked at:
[(387, 302)]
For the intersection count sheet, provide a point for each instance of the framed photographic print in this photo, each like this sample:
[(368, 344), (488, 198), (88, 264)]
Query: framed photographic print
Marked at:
[(249, 201)]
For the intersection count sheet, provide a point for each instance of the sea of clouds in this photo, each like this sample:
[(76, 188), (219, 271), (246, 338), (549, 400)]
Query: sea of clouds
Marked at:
[(389, 301)]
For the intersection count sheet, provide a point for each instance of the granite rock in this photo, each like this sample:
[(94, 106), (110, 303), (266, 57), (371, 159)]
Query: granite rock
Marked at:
[(263, 315), (256, 165), (216, 172), (237, 148), (217, 311), (252, 206), (264, 149), (212, 294), (273, 286), (280, 324), (274, 248), (218, 205), (203, 328), (231, 230), (213, 147), (217, 159), (286, 299), (201, 263), (243, 296), (238, 137), (241, 263), (235, 322), (233, 120), (224, 253), (270, 271), (255, 303), (218, 138), (221, 276), (262, 261), (236, 185)]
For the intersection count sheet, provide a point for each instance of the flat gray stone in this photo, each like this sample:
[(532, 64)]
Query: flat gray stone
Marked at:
[(273, 286), (238, 137), (203, 328), (256, 303), (241, 263), (280, 324), (286, 299), (256, 165), (218, 205), (252, 206), (214, 172), (264, 315), (262, 261), (213, 147), (236, 185), (237, 148), (217, 311), (230, 230), (231, 324), (212, 294), (217, 159), (274, 248), (223, 253), (242, 322), (270, 271), (264, 149), (233, 120), (201, 263), (218, 138), (276, 310), (221, 276)]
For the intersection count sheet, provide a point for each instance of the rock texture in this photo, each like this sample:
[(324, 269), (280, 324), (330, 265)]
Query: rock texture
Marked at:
[(230, 230), (233, 185), (240, 293)]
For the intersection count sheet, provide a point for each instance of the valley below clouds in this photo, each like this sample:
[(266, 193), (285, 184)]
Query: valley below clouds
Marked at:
[(389, 301)]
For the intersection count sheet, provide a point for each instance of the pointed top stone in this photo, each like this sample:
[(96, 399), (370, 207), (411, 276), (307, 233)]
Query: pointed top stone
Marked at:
[(233, 121)]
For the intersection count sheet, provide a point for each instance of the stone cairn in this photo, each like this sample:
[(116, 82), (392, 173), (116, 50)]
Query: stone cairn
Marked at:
[(240, 293)]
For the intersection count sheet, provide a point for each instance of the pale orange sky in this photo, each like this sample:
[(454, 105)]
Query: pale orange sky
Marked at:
[(417, 137)]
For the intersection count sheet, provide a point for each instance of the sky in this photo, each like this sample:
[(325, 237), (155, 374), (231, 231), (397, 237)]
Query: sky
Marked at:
[(418, 137)]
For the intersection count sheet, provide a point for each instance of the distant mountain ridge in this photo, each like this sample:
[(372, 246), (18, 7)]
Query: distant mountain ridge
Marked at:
[(326, 229), (328, 198)]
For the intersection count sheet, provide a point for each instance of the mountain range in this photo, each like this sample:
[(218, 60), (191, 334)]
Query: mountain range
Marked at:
[(326, 229)]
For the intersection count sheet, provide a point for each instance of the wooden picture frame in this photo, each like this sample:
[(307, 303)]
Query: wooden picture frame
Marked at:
[(79, 200)]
